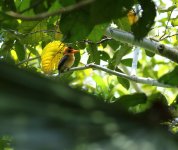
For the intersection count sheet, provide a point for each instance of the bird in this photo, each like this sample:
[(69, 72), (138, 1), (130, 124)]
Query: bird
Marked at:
[(67, 60)]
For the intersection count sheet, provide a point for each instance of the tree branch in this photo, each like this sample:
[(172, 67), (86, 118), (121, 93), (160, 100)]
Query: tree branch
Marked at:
[(47, 14), (154, 47), (142, 80)]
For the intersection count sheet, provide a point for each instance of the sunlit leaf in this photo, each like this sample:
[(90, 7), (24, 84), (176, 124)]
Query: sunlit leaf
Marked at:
[(51, 55), (123, 23), (33, 32), (97, 32), (171, 77), (174, 22)]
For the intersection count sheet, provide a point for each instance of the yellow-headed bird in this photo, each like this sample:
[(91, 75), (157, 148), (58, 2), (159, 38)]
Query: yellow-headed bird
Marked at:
[(67, 60)]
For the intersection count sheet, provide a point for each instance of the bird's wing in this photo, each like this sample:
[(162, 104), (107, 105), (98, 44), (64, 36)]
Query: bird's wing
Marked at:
[(62, 62)]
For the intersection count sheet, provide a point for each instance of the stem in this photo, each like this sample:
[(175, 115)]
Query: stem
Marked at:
[(27, 60)]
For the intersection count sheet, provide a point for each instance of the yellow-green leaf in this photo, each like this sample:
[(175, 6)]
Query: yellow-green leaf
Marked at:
[(51, 55)]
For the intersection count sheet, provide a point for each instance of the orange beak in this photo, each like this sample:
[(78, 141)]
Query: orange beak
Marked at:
[(75, 51)]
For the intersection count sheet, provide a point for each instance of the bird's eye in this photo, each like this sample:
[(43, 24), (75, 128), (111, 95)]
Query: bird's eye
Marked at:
[(69, 50)]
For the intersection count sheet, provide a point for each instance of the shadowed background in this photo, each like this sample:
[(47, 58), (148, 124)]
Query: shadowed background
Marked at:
[(42, 114)]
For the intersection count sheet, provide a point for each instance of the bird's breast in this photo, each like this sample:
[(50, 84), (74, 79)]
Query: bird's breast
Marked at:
[(70, 61)]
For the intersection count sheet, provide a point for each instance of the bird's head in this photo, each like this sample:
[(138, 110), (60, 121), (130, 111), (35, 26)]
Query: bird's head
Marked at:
[(70, 51)]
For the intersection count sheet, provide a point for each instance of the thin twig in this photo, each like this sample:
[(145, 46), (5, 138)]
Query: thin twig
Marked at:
[(24, 34), (45, 31), (166, 27), (48, 14), (142, 80), (27, 60), (168, 36), (104, 40), (99, 42)]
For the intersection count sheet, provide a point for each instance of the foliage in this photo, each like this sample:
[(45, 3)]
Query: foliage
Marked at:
[(81, 24), (5, 143)]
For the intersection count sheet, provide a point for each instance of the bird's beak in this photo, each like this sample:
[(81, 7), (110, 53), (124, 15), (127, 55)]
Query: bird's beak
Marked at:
[(75, 51)]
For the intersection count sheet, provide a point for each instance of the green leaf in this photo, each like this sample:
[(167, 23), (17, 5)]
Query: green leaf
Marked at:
[(75, 26), (127, 101), (27, 26), (94, 54), (97, 32), (150, 54), (170, 78), (6, 22), (128, 62), (124, 82), (20, 50), (122, 51), (104, 44), (104, 56), (8, 5), (5, 52), (101, 87), (40, 7), (106, 10), (6, 46), (114, 44), (123, 24), (33, 32), (22, 5), (33, 50), (5, 142), (77, 59), (157, 97), (81, 45), (174, 22), (67, 3), (55, 6)]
